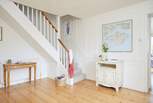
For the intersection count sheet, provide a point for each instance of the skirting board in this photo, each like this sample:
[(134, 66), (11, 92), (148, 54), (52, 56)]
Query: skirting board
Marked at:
[(125, 87), (21, 81)]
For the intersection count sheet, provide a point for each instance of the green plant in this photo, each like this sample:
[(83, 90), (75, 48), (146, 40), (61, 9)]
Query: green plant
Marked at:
[(104, 48)]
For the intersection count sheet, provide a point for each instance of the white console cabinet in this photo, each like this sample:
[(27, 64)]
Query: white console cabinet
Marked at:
[(109, 73)]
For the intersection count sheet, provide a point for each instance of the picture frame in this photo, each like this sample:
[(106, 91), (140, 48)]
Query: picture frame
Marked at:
[(1, 33), (118, 36)]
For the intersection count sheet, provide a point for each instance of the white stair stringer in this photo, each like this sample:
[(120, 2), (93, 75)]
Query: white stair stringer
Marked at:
[(18, 21)]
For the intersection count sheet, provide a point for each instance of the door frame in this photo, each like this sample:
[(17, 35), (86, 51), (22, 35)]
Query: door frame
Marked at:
[(149, 16)]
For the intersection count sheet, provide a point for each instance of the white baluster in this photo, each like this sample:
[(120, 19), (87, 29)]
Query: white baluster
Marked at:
[(64, 57), (32, 13), (67, 60), (36, 19), (40, 22), (60, 53), (44, 25), (46, 29), (23, 9), (53, 38), (28, 12), (49, 34)]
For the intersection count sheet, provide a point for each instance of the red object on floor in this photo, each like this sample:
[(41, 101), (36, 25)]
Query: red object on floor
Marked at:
[(71, 70), (71, 65)]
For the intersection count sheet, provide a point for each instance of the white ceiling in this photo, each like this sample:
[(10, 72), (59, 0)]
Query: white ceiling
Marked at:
[(78, 8)]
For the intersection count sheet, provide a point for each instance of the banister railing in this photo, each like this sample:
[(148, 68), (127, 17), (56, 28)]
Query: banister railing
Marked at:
[(64, 54), (41, 22), (63, 45), (46, 17)]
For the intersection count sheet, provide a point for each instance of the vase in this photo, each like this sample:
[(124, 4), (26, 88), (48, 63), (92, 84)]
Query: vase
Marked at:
[(104, 56)]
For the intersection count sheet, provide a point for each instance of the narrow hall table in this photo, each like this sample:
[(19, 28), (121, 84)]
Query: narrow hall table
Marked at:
[(8, 67)]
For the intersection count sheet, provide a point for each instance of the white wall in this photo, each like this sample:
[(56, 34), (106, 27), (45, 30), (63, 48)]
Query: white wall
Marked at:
[(88, 38), (15, 48)]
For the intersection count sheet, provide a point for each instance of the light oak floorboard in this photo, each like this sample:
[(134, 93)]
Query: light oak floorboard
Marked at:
[(45, 91)]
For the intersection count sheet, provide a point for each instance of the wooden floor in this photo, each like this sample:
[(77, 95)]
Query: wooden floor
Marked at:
[(45, 91)]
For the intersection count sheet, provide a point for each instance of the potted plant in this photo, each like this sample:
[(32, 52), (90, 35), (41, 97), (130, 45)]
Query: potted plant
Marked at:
[(104, 51)]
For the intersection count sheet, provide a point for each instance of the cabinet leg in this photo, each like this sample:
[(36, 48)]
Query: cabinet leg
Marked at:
[(8, 77), (35, 73), (97, 84), (117, 89)]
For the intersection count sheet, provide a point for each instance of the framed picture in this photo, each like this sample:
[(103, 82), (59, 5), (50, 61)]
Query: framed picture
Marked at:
[(1, 33), (67, 28), (118, 36)]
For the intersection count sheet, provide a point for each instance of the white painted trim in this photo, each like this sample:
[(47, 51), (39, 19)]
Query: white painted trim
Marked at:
[(148, 25), (22, 81)]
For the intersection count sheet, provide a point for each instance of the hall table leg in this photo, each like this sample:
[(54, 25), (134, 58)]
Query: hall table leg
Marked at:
[(29, 74), (8, 76), (34, 72), (4, 75)]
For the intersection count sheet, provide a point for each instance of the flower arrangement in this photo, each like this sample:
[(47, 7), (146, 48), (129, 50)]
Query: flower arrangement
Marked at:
[(105, 48)]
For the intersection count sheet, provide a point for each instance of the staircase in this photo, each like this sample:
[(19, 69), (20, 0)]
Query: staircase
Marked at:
[(40, 33)]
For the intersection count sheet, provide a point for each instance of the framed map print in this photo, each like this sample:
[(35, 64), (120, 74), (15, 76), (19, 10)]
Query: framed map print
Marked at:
[(118, 36)]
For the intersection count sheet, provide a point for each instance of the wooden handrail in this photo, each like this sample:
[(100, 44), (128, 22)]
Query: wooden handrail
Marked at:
[(49, 21), (63, 45)]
